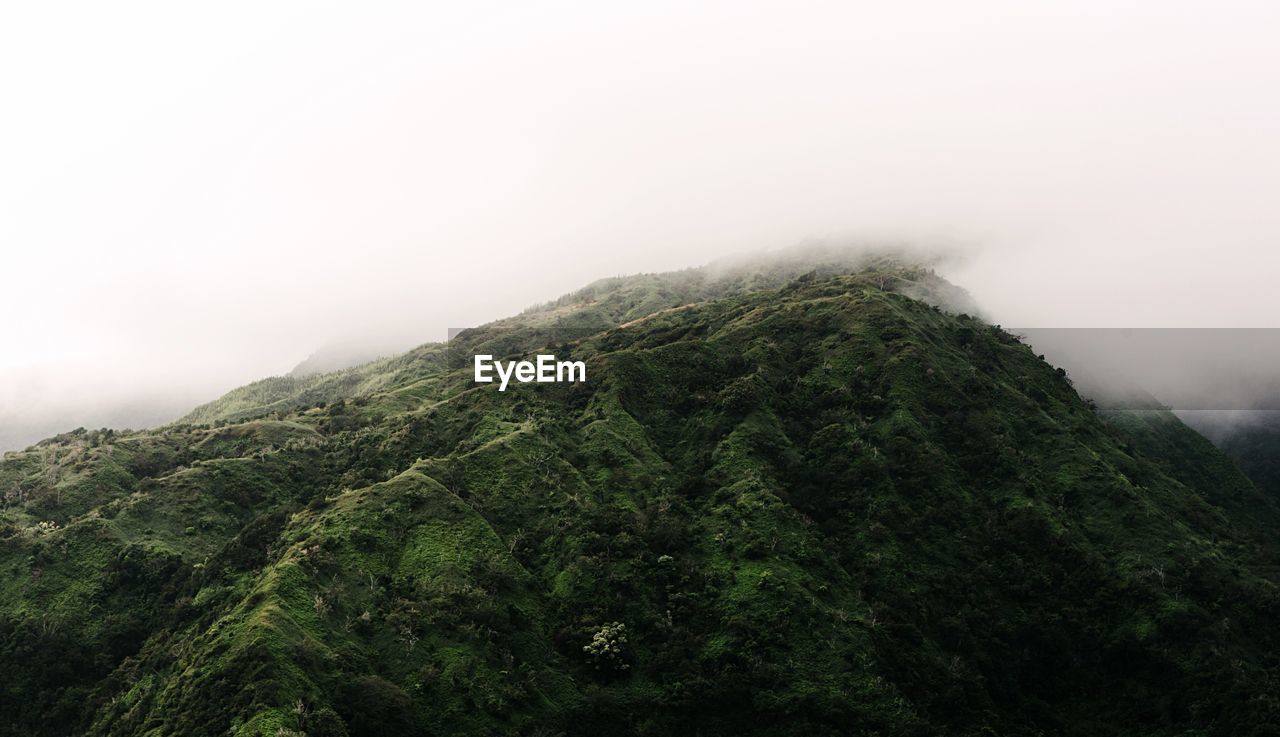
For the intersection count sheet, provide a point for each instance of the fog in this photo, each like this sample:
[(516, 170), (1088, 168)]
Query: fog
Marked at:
[(193, 197)]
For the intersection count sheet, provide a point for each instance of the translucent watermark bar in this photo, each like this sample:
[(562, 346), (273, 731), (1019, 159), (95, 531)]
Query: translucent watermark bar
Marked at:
[(1205, 369)]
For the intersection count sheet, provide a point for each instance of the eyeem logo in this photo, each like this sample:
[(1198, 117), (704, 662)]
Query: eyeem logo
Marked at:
[(544, 370)]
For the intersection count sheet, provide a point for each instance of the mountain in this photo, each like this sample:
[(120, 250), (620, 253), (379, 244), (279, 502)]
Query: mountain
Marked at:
[(794, 496), (42, 416), (1250, 438), (346, 353)]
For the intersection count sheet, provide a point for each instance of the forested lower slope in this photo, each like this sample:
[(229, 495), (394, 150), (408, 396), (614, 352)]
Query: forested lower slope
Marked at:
[(799, 504)]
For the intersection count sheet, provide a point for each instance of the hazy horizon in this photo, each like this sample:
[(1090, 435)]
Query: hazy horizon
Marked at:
[(195, 198)]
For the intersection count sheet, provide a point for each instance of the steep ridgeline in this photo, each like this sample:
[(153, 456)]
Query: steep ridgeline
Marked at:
[(813, 507), (602, 305)]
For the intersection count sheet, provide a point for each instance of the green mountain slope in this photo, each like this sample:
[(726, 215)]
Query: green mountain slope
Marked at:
[(602, 305), (1256, 450), (1250, 438), (786, 503)]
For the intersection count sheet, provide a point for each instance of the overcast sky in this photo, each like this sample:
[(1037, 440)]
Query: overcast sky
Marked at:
[(196, 195)]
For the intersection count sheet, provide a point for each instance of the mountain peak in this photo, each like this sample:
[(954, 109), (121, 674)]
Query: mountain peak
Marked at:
[(787, 500)]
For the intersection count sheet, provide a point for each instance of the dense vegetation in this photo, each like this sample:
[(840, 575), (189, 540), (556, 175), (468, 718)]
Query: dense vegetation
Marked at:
[(788, 500)]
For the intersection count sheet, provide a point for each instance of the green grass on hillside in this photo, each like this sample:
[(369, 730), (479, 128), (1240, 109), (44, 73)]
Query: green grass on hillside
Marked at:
[(783, 503)]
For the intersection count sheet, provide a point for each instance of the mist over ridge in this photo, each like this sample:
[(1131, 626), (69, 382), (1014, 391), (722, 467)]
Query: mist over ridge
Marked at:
[(1221, 370), (175, 226), (740, 368)]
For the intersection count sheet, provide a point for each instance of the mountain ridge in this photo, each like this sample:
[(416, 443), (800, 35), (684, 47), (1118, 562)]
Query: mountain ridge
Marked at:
[(808, 508), (611, 302)]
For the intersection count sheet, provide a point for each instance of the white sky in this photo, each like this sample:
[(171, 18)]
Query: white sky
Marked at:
[(193, 196)]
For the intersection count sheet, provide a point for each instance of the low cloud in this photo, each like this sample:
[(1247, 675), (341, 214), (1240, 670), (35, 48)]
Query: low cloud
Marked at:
[(195, 198)]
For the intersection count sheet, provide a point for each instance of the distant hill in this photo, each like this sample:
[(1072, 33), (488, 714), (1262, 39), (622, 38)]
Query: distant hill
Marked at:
[(798, 496), (1250, 438), (347, 353), (20, 429)]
